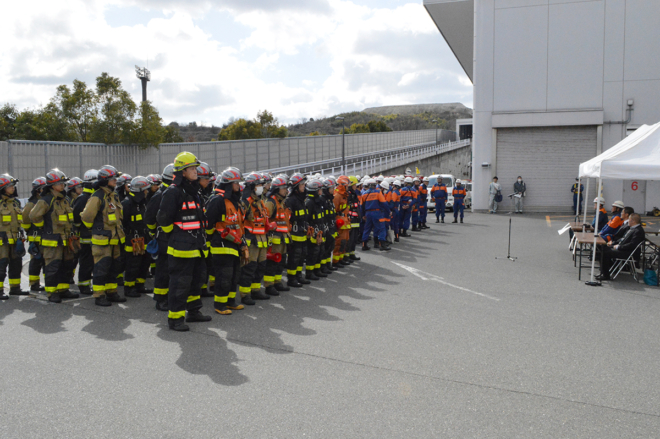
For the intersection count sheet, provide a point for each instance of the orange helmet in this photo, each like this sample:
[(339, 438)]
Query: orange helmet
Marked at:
[(343, 181)]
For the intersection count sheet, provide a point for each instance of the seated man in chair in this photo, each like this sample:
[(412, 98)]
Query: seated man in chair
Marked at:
[(623, 247)]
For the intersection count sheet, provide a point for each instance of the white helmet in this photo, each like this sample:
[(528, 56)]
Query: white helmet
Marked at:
[(91, 176), (600, 200), (397, 183), (380, 178), (618, 204), (415, 179), (458, 181), (425, 180), (370, 181), (408, 180), (384, 185)]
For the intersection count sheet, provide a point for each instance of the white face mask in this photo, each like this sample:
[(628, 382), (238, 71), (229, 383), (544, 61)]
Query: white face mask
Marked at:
[(519, 180), (259, 190)]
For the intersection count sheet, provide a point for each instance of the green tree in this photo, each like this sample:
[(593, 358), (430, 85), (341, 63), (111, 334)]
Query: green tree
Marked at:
[(114, 123), (148, 128), (8, 116), (172, 134), (358, 128), (378, 126), (77, 107), (315, 133), (264, 125)]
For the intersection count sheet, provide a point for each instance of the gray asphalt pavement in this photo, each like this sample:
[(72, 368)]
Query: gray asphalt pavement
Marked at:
[(434, 339)]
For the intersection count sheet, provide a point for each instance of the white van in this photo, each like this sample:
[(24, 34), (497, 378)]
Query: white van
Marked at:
[(448, 180)]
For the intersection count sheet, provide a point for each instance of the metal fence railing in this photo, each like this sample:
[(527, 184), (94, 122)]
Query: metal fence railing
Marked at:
[(26, 159)]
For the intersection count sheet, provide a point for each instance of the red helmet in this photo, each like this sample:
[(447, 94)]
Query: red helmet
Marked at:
[(278, 182), (123, 180), (56, 176), (204, 170), (254, 178), (230, 175), (296, 179), (154, 179), (39, 182), (5, 181), (73, 183), (108, 172)]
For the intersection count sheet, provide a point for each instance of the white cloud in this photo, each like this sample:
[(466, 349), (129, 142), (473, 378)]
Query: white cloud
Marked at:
[(297, 61)]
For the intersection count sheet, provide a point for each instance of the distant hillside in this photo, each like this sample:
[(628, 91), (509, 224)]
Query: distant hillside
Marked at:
[(397, 117), (409, 110)]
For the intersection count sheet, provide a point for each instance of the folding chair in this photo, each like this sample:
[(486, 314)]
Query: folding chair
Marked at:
[(619, 264)]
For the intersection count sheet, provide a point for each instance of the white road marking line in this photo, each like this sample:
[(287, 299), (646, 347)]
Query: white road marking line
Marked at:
[(428, 276)]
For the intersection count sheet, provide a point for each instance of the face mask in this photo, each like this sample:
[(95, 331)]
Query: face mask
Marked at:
[(519, 181), (259, 190)]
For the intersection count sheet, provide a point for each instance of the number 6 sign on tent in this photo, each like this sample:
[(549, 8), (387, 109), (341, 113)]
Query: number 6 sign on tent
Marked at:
[(634, 186)]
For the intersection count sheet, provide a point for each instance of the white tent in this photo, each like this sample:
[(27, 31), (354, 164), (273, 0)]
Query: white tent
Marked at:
[(637, 157)]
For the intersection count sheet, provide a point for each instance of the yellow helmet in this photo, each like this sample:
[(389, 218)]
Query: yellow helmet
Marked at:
[(353, 179), (185, 160)]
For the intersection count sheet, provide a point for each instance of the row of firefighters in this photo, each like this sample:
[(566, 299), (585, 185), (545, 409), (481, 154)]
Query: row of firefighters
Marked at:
[(200, 234)]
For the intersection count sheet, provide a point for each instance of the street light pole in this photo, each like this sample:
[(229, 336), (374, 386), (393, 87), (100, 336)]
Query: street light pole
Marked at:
[(435, 121), (343, 149)]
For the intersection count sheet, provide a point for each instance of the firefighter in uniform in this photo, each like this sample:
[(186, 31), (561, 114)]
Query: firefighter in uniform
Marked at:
[(103, 216), (422, 202), (181, 216), (204, 174), (415, 205), (74, 188), (295, 203), (256, 229), (280, 237), (225, 233), (407, 203), (54, 216), (137, 260), (156, 180), (34, 235), (439, 197), (459, 195), (340, 254), (395, 203), (162, 273), (354, 213), (11, 232), (315, 228), (374, 210), (123, 182), (85, 258), (330, 228)]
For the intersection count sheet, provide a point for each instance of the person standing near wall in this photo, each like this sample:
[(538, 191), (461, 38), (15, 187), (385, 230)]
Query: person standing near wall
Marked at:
[(494, 189), (519, 189), (577, 190)]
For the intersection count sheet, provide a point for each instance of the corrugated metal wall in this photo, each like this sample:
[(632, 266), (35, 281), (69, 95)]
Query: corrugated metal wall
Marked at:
[(26, 160)]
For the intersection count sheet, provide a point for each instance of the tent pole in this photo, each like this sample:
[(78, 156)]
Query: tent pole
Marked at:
[(584, 219), (579, 195), (593, 253)]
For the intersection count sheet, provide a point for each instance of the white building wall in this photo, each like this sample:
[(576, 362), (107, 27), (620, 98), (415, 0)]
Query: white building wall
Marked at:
[(556, 56)]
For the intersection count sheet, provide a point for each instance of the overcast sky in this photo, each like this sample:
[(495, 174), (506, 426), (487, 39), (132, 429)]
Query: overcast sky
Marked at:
[(211, 60)]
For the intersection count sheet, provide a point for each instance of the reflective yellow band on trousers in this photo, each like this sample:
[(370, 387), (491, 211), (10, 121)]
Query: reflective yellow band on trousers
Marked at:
[(221, 299), (184, 253), (176, 315), (161, 291)]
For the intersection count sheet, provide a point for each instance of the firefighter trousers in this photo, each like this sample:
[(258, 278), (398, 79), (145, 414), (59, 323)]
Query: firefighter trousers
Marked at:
[(185, 285), (107, 266), (85, 265), (35, 268), (58, 266), (137, 268), (313, 256), (327, 248), (341, 245), (295, 258), (228, 270), (253, 272), (273, 273), (162, 275), (11, 262)]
